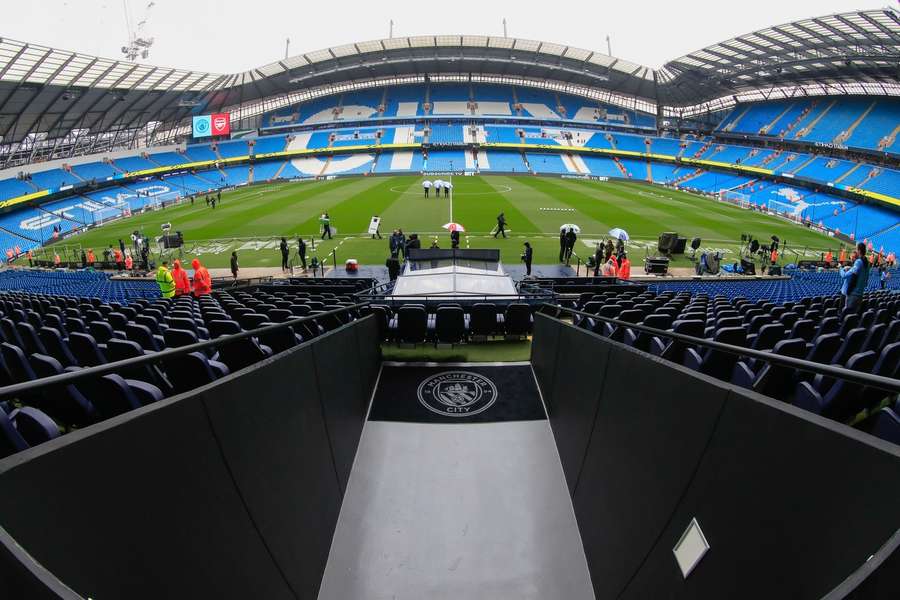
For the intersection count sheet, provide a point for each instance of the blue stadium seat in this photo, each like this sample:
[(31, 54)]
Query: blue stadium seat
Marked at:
[(843, 399)]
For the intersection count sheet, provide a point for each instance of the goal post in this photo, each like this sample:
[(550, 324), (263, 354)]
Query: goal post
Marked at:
[(785, 209), (736, 198)]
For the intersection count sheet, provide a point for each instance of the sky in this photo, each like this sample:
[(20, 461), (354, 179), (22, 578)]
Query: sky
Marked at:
[(229, 36)]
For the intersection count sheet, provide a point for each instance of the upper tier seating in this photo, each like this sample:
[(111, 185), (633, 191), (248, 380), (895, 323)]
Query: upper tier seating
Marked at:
[(858, 122)]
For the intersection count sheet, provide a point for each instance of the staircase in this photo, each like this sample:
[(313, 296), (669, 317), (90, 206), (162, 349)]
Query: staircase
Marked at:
[(649, 172), (803, 114), (75, 175), (765, 129), (847, 174), (560, 109), (805, 131), (571, 164), (873, 173), (621, 168), (888, 140), (734, 123), (845, 135), (516, 105), (324, 167), (251, 174), (688, 177), (383, 105), (612, 140), (781, 165), (525, 160), (770, 158), (702, 149), (426, 105), (805, 162)]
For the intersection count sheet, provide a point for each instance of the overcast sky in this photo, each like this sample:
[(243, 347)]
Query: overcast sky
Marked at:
[(227, 36)]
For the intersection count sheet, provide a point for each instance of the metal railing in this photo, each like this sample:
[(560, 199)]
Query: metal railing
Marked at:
[(155, 357), (876, 381)]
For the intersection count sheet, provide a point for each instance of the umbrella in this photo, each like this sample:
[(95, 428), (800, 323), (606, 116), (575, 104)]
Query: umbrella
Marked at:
[(427, 184), (619, 234), (438, 183), (569, 226), (454, 227)]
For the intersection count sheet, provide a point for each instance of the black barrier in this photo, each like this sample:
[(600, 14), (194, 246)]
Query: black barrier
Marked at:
[(169, 353), (877, 381), (790, 503), (22, 577), (875, 579), (230, 491)]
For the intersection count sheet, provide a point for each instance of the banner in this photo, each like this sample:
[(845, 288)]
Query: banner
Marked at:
[(202, 126), (221, 124)]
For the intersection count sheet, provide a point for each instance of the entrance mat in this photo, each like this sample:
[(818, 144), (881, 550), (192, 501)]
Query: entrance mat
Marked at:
[(457, 394)]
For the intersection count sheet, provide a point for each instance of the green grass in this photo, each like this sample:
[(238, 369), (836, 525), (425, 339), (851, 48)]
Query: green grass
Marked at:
[(250, 220)]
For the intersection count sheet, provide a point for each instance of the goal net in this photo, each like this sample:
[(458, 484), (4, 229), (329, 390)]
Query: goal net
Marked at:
[(110, 213), (736, 198), (785, 209)]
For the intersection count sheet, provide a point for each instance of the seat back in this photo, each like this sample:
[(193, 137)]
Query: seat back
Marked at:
[(517, 319), (412, 324), (30, 338), (11, 441), (56, 347), (450, 326), (768, 336), (84, 348), (101, 330), (34, 425), (483, 319), (16, 364), (143, 336)]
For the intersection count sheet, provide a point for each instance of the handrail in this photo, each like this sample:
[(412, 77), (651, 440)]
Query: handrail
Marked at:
[(68, 378), (878, 381)]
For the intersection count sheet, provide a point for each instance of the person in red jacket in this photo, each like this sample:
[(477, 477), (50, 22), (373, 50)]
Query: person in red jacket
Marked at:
[(182, 281), (202, 280), (625, 268), (129, 262)]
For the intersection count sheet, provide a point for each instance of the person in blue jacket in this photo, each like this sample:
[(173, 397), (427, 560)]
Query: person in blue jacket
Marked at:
[(855, 278)]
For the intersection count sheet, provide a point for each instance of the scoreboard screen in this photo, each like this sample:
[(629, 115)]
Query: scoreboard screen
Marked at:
[(211, 125)]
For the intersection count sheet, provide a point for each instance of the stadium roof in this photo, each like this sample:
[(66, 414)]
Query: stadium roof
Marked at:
[(48, 94), (858, 47)]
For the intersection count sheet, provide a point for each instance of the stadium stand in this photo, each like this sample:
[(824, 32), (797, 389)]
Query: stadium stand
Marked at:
[(860, 122), (777, 385)]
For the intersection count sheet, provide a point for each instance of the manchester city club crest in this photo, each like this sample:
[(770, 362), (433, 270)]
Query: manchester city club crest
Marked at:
[(457, 393)]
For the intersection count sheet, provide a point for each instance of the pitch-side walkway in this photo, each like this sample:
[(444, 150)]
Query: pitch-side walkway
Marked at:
[(457, 493)]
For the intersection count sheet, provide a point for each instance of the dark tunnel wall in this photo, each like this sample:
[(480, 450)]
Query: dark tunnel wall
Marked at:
[(230, 491), (790, 503)]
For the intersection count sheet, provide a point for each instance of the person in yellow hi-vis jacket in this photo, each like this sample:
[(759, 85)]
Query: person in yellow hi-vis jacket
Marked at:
[(165, 281)]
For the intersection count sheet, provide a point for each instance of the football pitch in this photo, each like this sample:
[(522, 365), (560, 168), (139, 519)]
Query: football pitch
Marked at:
[(251, 220)]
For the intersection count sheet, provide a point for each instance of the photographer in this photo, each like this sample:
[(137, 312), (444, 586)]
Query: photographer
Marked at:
[(526, 258)]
